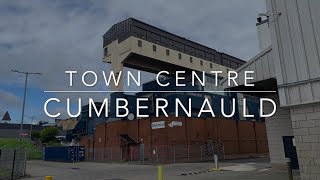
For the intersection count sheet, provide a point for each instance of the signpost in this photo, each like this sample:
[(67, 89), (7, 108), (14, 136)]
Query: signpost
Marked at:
[(175, 124), (158, 125)]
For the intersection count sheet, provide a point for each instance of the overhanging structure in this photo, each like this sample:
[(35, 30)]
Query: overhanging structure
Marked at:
[(135, 44)]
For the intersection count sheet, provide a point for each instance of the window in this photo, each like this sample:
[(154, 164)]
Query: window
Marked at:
[(167, 52), (179, 55), (211, 65), (201, 62), (154, 48), (191, 60), (139, 43)]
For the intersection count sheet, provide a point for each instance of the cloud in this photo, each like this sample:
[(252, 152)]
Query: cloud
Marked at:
[(9, 100), (54, 36)]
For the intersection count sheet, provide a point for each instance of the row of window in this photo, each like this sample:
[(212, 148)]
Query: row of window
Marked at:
[(154, 48), (127, 28), (184, 48)]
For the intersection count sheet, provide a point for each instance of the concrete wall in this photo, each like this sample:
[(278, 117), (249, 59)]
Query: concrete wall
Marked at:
[(278, 125), (264, 36), (306, 128), (119, 56)]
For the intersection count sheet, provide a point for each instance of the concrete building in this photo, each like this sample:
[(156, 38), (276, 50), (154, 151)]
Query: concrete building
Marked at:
[(135, 44), (289, 63), (138, 45)]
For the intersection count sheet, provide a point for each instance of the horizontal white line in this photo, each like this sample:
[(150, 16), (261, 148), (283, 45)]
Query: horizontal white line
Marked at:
[(159, 91)]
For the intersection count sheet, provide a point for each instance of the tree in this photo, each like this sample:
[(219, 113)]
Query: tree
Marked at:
[(42, 122), (35, 135), (48, 134)]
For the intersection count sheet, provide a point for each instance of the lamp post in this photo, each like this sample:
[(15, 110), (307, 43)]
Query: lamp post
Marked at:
[(24, 98)]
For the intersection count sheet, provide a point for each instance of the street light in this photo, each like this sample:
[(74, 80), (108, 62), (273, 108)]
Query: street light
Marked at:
[(24, 97)]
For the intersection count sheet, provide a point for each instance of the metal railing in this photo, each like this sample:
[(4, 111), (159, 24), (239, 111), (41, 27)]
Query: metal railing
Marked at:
[(155, 155), (12, 163)]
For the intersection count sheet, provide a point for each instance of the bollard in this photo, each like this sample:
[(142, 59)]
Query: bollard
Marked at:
[(160, 173), (216, 163), (289, 168), (48, 178)]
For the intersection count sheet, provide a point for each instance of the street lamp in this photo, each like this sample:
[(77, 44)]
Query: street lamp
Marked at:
[(24, 97)]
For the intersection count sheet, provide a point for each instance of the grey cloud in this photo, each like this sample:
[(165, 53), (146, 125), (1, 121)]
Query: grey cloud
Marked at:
[(9, 100), (54, 36)]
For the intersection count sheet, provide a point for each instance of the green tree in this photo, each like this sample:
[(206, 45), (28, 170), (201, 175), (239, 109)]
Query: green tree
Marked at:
[(48, 134), (35, 135)]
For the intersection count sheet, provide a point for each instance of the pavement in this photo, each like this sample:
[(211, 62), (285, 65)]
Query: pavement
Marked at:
[(246, 169)]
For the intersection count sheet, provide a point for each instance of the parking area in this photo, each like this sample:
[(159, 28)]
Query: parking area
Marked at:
[(238, 169)]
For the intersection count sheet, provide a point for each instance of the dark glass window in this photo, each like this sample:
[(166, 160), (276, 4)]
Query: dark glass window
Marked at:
[(191, 60), (211, 65), (139, 43), (167, 52), (154, 48)]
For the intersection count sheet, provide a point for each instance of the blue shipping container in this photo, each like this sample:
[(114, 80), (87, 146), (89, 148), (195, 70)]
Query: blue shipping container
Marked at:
[(64, 154)]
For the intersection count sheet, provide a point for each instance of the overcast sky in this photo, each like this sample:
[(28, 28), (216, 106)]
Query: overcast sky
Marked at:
[(57, 35)]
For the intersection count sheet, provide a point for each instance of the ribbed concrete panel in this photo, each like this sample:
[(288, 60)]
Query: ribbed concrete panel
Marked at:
[(295, 34), (262, 65)]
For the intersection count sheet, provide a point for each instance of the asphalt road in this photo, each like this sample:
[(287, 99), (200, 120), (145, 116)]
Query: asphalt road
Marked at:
[(248, 169)]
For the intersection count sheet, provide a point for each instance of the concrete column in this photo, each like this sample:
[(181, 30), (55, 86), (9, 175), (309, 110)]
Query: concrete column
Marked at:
[(116, 61), (117, 68), (306, 129), (278, 125)]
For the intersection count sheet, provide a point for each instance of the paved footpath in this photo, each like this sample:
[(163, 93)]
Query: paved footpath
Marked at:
[(248, 169)]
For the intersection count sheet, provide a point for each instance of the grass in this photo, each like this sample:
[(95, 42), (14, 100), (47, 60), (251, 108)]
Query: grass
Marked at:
[(4, 173), (33, 151)]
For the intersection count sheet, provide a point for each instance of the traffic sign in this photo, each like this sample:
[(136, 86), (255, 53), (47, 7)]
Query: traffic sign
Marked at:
[(6, 117)]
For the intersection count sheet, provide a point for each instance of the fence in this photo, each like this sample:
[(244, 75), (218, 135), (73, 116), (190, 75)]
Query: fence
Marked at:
[(12, 163), (156, 155)]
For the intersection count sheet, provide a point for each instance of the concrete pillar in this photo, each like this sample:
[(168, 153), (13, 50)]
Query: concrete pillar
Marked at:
[(278, 125), (306, 129), (116, 60), (117, 68)]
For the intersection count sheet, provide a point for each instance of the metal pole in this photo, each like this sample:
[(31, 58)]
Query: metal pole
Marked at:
[(31, 128), (160, 173), (48, 178), (216, 161), (289, 168), (157, 154), (13, 162), (24, 99), (174, 154), (23, 105), (188, 153), (131, 153), (111, 154)]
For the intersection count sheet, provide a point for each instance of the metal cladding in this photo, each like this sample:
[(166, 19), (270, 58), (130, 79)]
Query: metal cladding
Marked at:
[(136, 28)]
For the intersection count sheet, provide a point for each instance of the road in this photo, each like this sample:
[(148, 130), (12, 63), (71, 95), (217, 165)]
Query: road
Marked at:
[(240, 170)]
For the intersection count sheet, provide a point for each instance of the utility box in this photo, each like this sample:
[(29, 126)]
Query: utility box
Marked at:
[(64, 154)]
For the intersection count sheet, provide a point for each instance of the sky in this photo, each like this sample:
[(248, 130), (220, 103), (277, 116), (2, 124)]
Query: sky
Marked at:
[(52, 36)]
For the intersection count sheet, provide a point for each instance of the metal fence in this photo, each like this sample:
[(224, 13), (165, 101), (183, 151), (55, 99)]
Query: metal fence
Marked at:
[(155, 155), (12, 163)]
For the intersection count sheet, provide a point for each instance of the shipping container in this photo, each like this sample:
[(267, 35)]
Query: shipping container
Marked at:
[(64, 154)]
